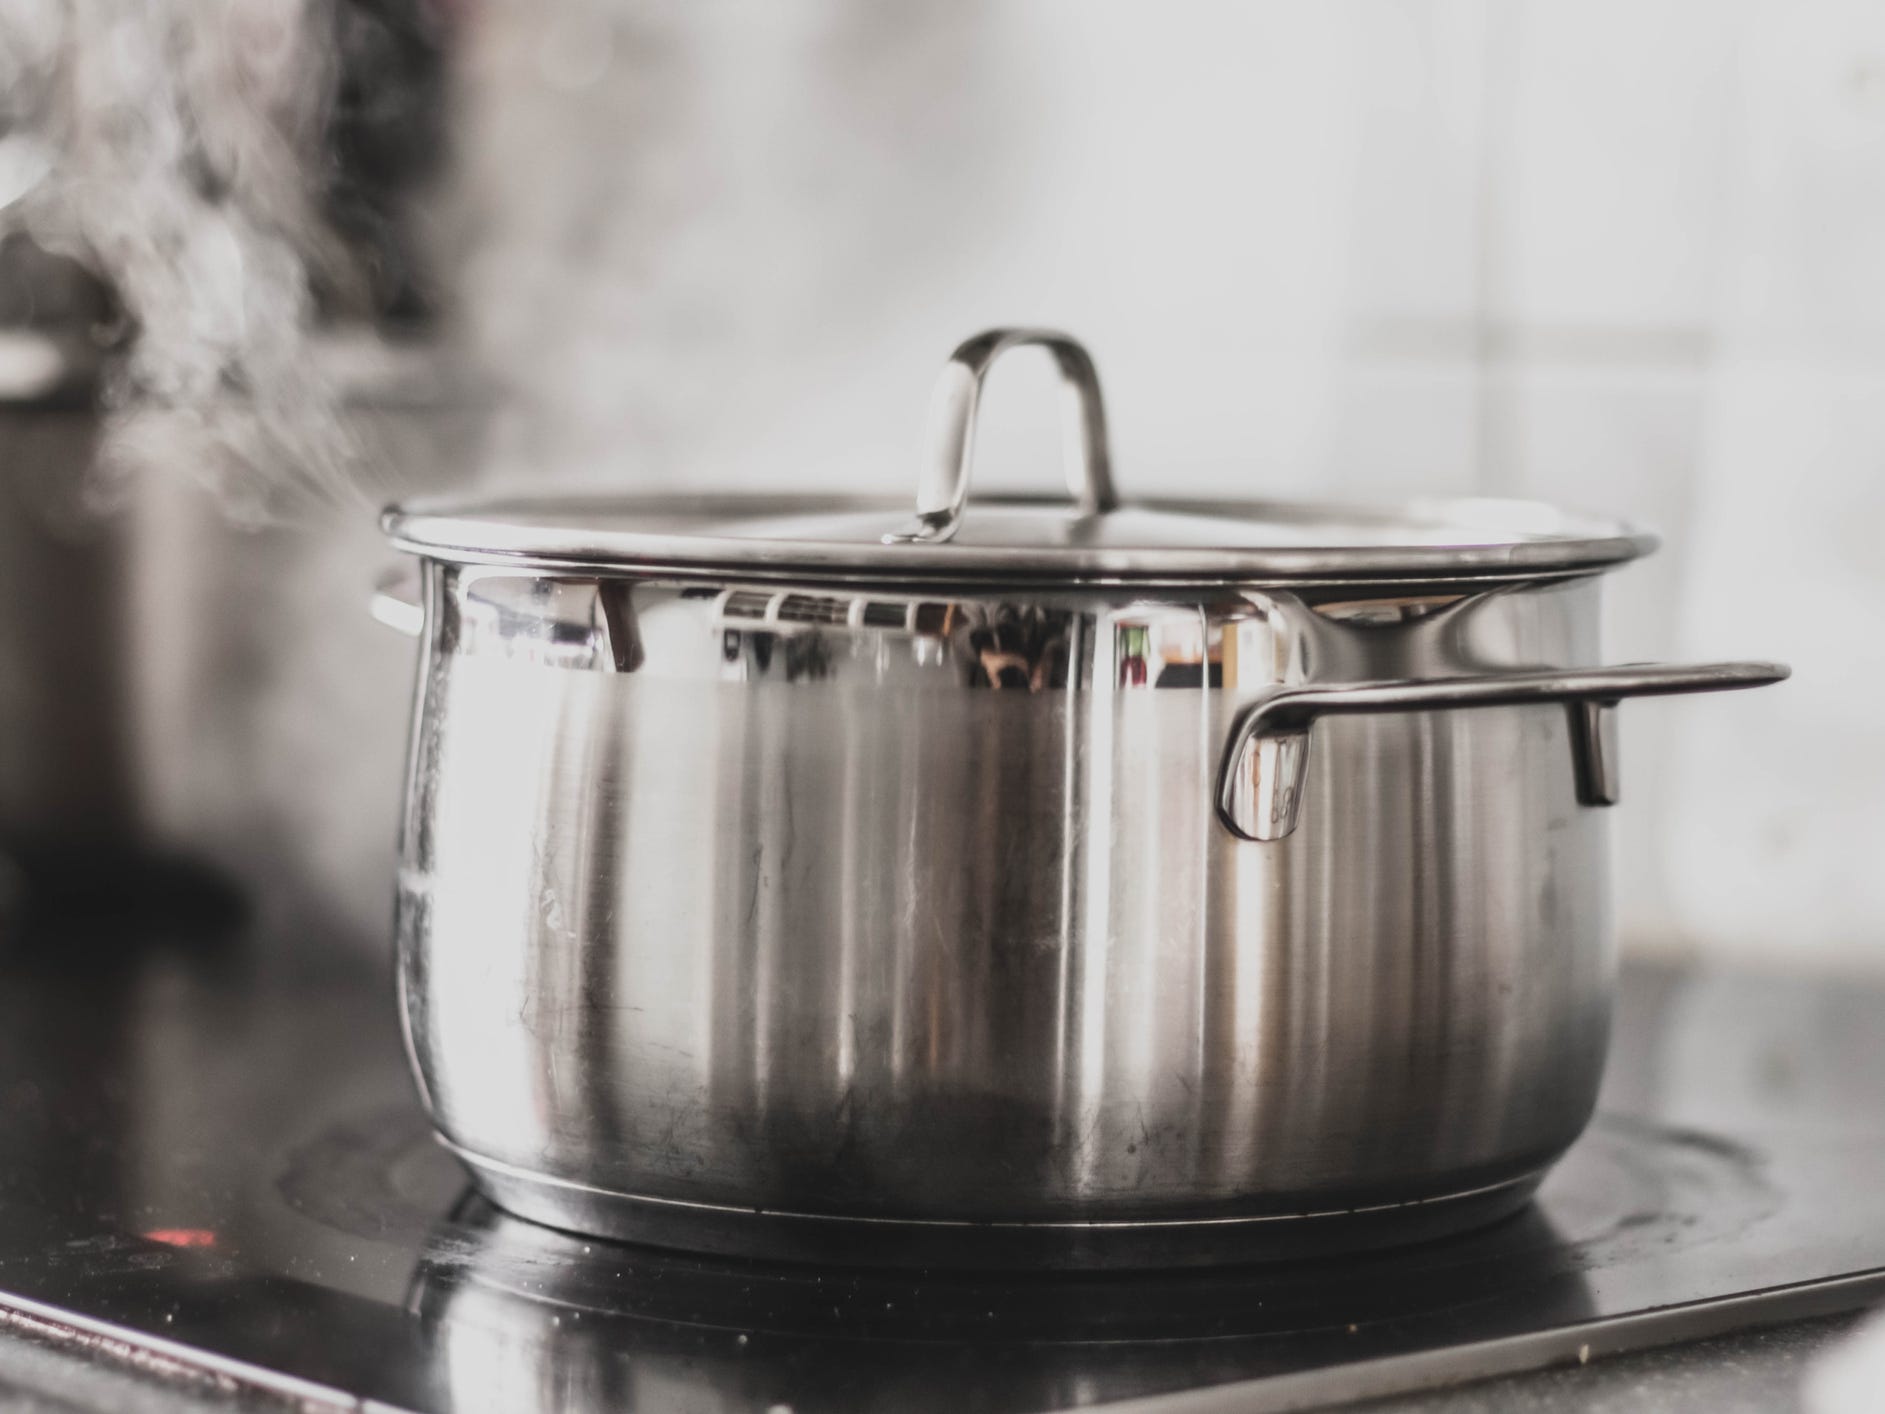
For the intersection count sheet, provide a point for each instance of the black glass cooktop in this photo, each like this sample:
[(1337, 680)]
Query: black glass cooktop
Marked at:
[(214, 1164)]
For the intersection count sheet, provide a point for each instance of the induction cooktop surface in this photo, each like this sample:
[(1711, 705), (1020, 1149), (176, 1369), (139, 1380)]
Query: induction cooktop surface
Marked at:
[(216, 1165)]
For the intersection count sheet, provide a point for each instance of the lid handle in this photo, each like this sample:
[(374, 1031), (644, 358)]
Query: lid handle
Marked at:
[(944, 489)]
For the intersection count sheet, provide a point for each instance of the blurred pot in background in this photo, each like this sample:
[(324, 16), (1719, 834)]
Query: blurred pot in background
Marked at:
[(66, 778), (194, 434), (270, 716), (178, 685)]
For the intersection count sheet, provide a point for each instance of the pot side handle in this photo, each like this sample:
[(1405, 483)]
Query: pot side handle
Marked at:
[(396, 600), (943, 491), (1265, 762)]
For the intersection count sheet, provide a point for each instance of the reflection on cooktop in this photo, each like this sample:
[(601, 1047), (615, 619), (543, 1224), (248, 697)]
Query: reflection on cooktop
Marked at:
[(511, 1309)]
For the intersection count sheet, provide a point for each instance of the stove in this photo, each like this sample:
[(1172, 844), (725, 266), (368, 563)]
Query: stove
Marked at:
[(217, 1172)]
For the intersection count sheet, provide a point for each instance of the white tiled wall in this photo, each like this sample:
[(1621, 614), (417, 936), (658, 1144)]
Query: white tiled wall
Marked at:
[(1628, 254)]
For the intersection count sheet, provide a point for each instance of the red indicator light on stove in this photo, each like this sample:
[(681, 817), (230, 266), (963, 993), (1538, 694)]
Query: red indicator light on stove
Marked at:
[(182, 1236)]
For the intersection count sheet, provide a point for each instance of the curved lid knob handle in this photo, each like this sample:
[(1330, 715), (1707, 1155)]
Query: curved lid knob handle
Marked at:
[(944, 488)]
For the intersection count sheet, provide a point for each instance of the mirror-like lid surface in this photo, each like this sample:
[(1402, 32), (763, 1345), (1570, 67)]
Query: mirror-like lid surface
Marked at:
[(1027, 539)]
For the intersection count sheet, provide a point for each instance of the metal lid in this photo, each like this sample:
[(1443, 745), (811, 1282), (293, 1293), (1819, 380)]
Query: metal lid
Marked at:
[(1097, 538)]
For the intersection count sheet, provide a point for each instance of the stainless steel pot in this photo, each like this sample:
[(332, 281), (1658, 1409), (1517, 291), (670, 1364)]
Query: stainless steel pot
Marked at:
[(1122, 883)]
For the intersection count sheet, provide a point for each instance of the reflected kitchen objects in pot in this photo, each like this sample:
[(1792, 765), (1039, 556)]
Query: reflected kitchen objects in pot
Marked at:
[(1137, 883)]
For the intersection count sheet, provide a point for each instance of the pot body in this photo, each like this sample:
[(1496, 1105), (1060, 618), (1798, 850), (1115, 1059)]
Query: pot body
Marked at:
[(832, 921)]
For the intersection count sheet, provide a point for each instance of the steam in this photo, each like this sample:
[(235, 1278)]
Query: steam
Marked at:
[(176, 150)]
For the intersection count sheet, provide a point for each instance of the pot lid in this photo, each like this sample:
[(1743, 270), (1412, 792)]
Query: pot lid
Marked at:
[(1095, 538), (1007, 538)]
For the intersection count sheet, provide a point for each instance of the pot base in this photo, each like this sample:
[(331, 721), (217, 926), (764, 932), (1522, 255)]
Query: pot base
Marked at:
[(831, 1239)]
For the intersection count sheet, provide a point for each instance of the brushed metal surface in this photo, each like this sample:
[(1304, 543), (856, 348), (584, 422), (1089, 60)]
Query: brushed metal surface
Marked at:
[(917, 907)]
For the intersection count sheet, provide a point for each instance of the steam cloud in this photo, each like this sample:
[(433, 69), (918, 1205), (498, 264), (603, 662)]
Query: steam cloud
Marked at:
[(178, 150)]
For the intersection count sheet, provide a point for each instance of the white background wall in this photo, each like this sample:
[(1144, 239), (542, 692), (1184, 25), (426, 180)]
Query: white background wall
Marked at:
[(1627, 254)]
